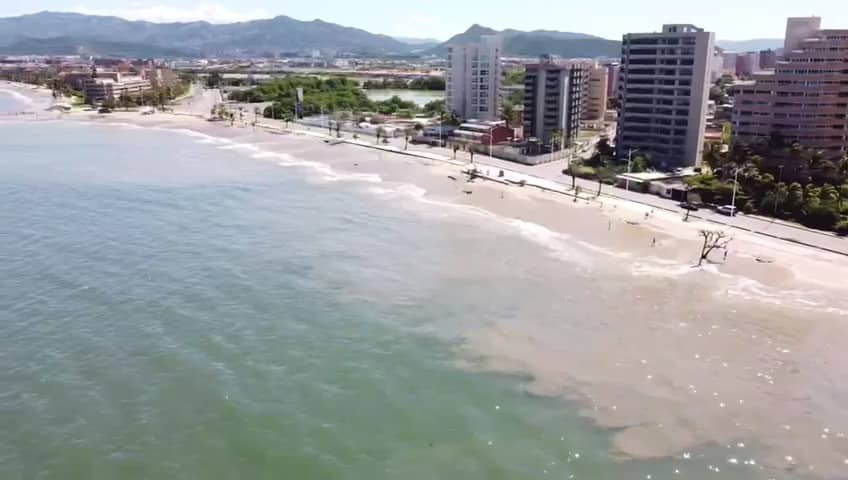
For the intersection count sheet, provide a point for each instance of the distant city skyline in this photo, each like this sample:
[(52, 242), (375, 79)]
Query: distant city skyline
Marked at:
[(440, 19)]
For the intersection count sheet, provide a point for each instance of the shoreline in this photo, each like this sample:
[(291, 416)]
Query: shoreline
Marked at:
[(601, 235), (36, 99), (769, 260)]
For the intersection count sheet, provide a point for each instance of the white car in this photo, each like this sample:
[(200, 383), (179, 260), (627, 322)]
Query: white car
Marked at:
[(728, 210)]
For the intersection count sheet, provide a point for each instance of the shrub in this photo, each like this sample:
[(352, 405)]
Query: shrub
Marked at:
[(841, 227), (820, 217), (748, 207), (585, 172)]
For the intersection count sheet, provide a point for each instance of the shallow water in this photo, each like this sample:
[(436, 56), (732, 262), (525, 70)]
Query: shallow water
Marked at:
[(420, 97), (176, 307), (10, 103)]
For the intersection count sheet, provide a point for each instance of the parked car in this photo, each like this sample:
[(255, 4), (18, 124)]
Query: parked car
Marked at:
[(728, 210), (104, 110), (688, 206)]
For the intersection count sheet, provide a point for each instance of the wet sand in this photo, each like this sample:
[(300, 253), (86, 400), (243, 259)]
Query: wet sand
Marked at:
[(737, 353)]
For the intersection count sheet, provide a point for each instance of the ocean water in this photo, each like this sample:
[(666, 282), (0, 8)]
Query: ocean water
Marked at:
[(10, 103), (171, 309)]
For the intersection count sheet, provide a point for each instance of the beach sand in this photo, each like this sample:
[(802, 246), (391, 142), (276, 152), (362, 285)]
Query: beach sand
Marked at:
[(695, 374)]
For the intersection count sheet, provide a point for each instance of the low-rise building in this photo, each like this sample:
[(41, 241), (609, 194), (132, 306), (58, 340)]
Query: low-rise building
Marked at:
[(480, 136)]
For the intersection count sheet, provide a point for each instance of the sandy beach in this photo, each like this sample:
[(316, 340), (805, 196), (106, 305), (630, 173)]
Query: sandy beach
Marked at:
[(689, 377)]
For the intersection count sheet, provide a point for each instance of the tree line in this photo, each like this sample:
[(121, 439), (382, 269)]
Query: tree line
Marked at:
[(778, 178), (427, 83), (328, 95)]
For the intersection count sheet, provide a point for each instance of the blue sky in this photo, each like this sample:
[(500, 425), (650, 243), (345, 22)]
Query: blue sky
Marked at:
[(730, 19)]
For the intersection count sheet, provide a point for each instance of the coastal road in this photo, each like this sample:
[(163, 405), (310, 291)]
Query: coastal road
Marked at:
[(200, 102)]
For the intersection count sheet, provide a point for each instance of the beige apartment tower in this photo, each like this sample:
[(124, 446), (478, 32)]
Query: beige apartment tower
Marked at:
[(595, 94), (805, 99), (473, 79), (663, 93)]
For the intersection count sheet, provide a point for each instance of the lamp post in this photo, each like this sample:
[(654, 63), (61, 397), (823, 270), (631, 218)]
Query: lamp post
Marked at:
[(629, 164), (735, 185), (777, 190)]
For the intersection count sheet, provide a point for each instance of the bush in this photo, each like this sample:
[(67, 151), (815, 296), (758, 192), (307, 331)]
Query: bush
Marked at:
[(748, 207), (841, 227), (585, 172), (820, 217)]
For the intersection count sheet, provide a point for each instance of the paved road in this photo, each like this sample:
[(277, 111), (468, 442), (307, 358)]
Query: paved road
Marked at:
[(200, 102)]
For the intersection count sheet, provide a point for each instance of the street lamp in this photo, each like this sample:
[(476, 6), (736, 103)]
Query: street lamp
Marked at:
[(629, 164), (735, 185), (777, 190)]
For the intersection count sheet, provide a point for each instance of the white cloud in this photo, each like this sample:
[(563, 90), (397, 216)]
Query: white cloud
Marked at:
[(211, 12)]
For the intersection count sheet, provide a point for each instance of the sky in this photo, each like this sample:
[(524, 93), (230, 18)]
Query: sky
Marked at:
[(440, 19)]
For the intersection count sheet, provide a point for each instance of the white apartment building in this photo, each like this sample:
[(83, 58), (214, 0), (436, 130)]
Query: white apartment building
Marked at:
[(113, 85), (473, 79), (663, 93)]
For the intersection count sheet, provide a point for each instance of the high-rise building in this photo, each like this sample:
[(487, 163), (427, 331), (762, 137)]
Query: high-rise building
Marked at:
[(747, 63), (612, 80), (717, 65), (663, 93), (768, 59), (595, 94), (805, 99), (553, 102), (729, 62), (798, 29), (473, 79)]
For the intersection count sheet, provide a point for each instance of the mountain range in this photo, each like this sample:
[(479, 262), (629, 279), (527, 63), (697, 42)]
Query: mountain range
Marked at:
[(63, 32), (518, 43), (56, 33)]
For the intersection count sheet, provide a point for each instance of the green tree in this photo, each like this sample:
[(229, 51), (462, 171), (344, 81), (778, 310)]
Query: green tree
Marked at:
[(514, 77), (639, 164), (829, 197), (843, 196), (795, 198)]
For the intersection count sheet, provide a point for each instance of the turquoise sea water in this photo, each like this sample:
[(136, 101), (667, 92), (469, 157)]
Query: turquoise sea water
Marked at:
[(173, 310)]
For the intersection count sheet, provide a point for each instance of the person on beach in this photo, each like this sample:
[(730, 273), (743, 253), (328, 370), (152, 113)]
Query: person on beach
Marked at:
[(725, 255), (654, 242)]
